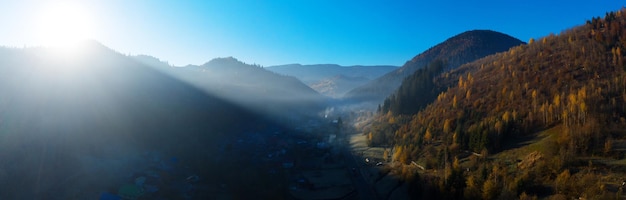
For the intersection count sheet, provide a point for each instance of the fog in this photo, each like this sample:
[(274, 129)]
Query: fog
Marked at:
[(249, 86), (77, 127)]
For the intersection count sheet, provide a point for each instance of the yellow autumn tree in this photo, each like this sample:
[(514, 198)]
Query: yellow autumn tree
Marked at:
[(498, 126), (506, 117), (472, 189), (562, 182), (428, 136), (397, 153), (490, 189), (446, 126), (454, 102)]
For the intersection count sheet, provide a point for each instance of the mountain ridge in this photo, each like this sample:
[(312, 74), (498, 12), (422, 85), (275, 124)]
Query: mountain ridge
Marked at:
[(337, 85), (454, 51), (318, 74), (250, 85), (312, 72)]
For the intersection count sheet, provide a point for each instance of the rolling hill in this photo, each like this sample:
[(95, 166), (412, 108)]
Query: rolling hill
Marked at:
[(455, 51), (332, 80), (337, 86), (250, 86)]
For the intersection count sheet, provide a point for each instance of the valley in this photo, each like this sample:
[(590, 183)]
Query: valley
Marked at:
[(478, 115)]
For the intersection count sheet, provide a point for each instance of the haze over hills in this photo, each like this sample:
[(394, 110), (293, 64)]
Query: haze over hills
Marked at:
[(337, 86), (330, 79), (251, 86), (77, 123), (471, 114), (82, 120), (314, 73), (457, 50), (549, 115)]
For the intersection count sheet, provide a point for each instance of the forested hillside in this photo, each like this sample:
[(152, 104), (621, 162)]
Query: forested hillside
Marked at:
[(416, 91), (565, 92), (455, 51)]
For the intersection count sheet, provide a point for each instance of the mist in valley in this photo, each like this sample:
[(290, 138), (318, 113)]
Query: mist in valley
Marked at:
[(73, 128)]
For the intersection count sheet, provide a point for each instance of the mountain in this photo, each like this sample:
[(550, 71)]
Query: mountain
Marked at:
[(457, 50), (314, 73), (546, 119), (72, 122), (250, 86), (316, 76), (337, 86)]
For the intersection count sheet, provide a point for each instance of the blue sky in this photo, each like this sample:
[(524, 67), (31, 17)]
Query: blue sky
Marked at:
[(298, 31)]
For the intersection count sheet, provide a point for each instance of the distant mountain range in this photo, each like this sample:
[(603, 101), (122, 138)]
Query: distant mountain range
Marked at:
[(330, 79), (455, 51), (250, 86), (337, 86)]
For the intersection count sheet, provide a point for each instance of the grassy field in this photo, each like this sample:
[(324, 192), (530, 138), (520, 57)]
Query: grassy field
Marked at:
[(358, 144), (541, 142)]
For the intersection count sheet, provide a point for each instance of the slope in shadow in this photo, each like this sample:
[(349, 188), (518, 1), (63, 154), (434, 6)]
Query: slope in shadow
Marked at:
[(62, 116)]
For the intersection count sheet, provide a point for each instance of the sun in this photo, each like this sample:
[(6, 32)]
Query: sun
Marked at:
[(64, 25)]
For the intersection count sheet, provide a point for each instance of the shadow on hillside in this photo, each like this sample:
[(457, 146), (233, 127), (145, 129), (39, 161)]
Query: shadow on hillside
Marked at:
[(519, 141), (122, 129)]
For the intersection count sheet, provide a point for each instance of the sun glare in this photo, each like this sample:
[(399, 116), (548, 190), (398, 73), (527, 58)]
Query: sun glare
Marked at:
[(64, 25)]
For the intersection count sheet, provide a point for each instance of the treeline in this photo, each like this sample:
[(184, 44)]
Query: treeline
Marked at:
[(575, 81), (416, 91)]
